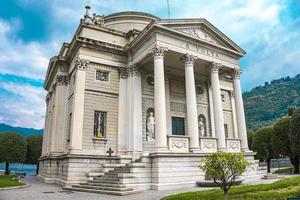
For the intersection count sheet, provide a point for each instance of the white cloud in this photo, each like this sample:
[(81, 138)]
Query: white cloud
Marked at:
[(23, 106), (20, 58), (272, 44)]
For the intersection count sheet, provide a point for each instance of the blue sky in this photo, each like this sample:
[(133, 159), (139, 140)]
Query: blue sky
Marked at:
[(32, 31)]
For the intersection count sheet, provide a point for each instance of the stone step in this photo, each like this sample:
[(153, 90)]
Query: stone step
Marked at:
[(119, 193), (113, 165), (136, 164), (105, 181), (104, 184), (119, 175), (97, 187), (107, 178), (91, 174)]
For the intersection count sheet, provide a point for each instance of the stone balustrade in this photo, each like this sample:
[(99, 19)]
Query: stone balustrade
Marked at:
[(178, 143), (233, 145)]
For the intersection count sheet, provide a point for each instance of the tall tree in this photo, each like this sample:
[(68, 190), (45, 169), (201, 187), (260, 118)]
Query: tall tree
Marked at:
[(250, 136), (280, 137), (12, 149), (34, 148), (294, 136), (263, 146)]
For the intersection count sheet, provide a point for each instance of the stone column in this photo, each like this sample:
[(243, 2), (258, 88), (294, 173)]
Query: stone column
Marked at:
[(217, 105), (59, 111), (240, 115), (78, 106), (211, 112), (191, 103), (123, 111), (45, 135), (233, 114), (160, 100), (136, 138)]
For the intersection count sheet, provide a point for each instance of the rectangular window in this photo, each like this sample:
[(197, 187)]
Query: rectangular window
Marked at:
[(226, 130), (102, 75), (178, 126), (100, 124)]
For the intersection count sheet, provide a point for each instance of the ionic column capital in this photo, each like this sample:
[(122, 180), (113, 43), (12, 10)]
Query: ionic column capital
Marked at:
[(214, 67), (189, 59), (236, 73), (159, 51), (81, 64), (134, 70), (62, 79), (123, 72)]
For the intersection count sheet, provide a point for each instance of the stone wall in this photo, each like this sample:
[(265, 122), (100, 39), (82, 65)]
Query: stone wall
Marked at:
[(100, 96)]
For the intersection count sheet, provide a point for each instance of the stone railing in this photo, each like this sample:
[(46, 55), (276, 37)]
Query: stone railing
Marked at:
[(208, 144), (178, 143), (233, 145)]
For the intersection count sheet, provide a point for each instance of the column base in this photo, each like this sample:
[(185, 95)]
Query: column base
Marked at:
[(161, 149), (246, 150), (195, 150), (222, 149)]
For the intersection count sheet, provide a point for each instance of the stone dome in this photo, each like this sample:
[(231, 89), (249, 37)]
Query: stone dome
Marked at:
[(125, 21)]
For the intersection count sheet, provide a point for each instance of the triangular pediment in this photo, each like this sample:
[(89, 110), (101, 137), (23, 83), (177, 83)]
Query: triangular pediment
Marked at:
[(198, 33), (202, 30)]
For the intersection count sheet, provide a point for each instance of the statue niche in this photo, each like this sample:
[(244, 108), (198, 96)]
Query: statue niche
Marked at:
[(202, 126), (150, 125)]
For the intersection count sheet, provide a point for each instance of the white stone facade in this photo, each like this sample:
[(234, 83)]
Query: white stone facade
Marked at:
[(180, 70)]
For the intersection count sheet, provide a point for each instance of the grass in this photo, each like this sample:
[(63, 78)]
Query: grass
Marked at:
[(288, 170), (279, 190), (9, 181)]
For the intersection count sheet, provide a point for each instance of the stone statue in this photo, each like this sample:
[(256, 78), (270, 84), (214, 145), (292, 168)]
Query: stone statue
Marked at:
[(201, 127), (150, 127), (98, 19)]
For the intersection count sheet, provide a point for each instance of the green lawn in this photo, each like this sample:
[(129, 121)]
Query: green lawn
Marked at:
[(9, 181), (288, 170), (282, 189)]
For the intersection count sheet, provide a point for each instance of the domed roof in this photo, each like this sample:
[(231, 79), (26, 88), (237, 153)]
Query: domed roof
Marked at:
[(131, 14), (126, 21)]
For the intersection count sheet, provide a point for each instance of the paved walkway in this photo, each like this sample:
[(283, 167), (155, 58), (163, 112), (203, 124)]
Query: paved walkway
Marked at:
[(42, 191)]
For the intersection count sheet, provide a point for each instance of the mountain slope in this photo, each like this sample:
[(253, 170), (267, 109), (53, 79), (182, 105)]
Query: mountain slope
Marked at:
[(25, 132), (266, 104)]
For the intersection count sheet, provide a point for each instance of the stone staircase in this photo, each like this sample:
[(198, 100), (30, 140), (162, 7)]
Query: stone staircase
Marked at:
[(112, 180)]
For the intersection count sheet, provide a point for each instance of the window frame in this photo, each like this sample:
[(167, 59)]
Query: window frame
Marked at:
[(95, 134), (183, 126), (103, 71)]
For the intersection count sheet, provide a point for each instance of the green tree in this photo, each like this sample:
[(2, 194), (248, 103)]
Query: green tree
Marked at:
[(294, 136), (280, 137), (34, 148), (262, 144), (224, 168), (12, 149), (250, 136)]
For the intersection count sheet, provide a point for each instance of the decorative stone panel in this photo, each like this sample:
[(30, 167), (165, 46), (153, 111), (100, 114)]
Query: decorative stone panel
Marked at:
[(208, 145), (178, 144), (233, 145)]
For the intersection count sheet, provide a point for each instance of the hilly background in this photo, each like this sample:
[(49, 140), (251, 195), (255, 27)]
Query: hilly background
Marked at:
[(264, 105), (25, 132)]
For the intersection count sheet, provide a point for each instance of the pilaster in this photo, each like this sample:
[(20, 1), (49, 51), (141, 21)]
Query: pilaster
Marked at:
[(78, 105)]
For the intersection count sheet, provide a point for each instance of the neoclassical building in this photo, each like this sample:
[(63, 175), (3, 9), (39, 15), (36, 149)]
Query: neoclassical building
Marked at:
[(135, 102)]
